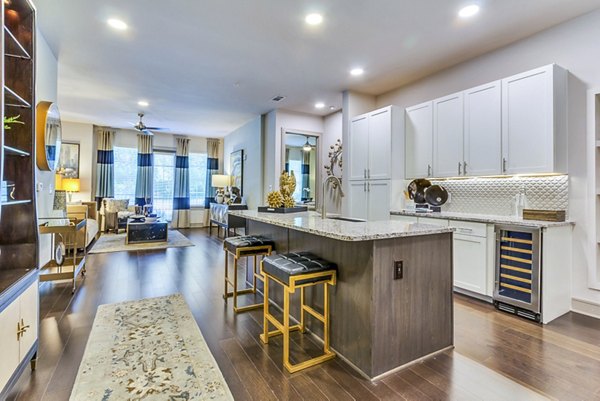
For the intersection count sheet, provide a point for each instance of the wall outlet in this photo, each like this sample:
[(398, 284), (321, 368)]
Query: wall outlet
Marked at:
[(398, 269), (40, 186)]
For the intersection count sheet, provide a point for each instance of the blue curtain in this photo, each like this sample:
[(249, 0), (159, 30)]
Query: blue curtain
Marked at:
[(105, 173), (181, 193), (145, 171), (212, 167)]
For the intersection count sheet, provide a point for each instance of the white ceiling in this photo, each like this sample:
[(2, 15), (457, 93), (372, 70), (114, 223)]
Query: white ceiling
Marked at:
[(207, 67)]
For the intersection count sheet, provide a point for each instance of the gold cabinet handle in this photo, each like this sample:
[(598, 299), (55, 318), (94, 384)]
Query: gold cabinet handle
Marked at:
[(21, 329)]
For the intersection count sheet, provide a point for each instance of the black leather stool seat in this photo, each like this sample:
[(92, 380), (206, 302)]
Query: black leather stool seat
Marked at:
[(232, 244), (284, 266)]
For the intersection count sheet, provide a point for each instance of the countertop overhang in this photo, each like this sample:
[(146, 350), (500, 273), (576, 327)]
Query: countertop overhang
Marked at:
[(483, 218), (311, 222)]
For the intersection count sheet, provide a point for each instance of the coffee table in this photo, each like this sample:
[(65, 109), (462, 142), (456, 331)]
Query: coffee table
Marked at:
[(145, 232)]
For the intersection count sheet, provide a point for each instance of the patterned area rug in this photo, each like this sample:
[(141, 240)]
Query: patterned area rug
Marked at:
[(116, 243), (148, 350)]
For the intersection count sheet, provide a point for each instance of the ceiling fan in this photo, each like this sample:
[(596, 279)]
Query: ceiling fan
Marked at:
[(140, 126)]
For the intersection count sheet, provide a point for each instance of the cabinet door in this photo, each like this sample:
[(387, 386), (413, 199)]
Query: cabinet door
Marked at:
[(448, 136), (380, 145), (359, 145), (470, 263), (483, 130), (404, 219), (378, 193), (357, 200), (9, 347), (419, 140), (528, 122), (29, 314)]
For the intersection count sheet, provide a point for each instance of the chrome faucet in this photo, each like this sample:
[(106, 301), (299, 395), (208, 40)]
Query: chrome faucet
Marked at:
[(323, 201)]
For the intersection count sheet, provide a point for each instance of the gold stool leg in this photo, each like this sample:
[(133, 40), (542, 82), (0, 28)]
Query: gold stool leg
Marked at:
[(286, 327), (253, 274), (235, 281), (326, 317), (302, 300), (265, 335)]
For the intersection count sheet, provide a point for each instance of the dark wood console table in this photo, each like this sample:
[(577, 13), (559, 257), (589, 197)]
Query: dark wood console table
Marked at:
[(222, 219)]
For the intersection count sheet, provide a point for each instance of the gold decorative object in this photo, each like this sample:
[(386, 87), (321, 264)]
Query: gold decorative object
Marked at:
[(283, 197), (335, 160), (275, 199)]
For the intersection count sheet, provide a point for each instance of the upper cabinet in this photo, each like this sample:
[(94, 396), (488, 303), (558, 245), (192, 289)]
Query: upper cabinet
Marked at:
[(483, 126), (370, 145), (448, 127), (534, 121), (513, 126), (419, 140)]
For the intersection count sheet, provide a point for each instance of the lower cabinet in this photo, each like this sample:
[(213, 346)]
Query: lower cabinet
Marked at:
[(369, 200), (470, 256), (18, 333)]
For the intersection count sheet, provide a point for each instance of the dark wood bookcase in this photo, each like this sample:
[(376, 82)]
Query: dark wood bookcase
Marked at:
[(18, 220)]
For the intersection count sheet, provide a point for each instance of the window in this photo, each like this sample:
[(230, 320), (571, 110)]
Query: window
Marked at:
[(197, 179), (125, 173), (164, 183)]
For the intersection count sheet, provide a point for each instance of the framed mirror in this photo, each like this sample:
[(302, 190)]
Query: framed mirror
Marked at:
[(301, 155), (48, 135)]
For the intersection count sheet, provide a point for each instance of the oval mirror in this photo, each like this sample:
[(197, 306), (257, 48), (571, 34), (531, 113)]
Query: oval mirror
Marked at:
[(48, 135)]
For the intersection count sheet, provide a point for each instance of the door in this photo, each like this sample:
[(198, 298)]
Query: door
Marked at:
[(419, 140), (380, 145), (29, 314), (483, 130), (357, 200), (528, 122), (448, 136), (378, 194), (9, 347), (359, 145), (470, 263)]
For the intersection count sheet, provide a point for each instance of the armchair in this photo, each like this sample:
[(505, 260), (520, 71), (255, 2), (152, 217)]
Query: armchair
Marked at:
[(116, 212)]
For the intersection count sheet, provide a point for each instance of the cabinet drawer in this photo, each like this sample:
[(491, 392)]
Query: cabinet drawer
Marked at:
[(469, 228), (433, 221)]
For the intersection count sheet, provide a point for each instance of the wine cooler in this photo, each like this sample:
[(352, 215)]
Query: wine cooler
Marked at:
[(517, 277)]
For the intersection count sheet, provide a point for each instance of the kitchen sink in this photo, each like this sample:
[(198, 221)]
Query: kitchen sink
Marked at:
[(351, 219)]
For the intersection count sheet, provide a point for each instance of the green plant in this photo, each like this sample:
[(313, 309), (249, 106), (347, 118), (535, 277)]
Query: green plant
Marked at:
[(11, 120)]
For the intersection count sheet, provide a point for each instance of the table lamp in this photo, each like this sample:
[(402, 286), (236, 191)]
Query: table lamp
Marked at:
[(220, 181), (70, 185)]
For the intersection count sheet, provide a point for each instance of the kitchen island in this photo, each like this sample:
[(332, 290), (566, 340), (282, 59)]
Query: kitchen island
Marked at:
[(392, 304)]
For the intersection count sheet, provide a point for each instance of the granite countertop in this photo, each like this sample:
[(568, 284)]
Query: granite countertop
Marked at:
[(311, 222), (483, 218)]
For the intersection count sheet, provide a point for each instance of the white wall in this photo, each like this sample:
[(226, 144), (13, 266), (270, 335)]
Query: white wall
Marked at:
[(45, 90), (83, 134), (573, 45), (249, 139), (332, 131)]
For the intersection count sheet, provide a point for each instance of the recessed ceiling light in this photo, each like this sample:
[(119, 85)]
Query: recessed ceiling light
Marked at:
[(319, 105), (143, 103), (117, 24), (313, 19), (468, 11), (357, 71), (331, 107)]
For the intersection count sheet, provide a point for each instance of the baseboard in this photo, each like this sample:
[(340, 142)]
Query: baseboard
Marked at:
[(585, 307)]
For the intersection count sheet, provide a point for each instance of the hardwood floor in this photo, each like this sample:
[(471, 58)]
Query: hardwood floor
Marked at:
[(497, 356)]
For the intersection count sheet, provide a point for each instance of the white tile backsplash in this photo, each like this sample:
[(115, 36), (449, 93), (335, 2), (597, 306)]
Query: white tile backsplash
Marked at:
[(496, 195)]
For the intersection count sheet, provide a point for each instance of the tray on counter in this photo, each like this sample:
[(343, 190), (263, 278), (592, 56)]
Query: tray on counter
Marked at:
[(295, 209)]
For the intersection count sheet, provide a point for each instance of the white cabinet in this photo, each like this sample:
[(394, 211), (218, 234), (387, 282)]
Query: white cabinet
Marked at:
[(369, 200), (9, 348), (371, 145), (483, 130), (405, 219), (359, 143), (472, 264), (419, 140), (448, 130), (534, 121), (22, 312)]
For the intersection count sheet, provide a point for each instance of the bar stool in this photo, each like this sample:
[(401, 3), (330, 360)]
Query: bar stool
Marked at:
[(292, 271), (239, 247)]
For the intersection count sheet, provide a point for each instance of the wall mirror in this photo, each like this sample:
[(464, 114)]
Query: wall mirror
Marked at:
[(48, 135), (301, 154)]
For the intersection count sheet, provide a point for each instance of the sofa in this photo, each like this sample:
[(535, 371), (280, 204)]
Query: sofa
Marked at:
[(85, 210), (116, 212)]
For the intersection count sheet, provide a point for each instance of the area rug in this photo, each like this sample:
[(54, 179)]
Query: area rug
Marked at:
[(116, 243), (148, 350)]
